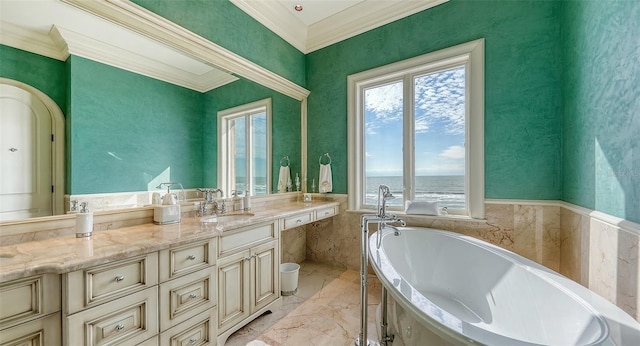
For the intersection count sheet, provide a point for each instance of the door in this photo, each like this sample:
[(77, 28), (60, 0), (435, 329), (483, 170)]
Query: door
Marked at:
[(265, 273), (25, 155)]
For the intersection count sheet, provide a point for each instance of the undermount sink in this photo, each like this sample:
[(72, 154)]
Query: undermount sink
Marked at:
[(227, 217)]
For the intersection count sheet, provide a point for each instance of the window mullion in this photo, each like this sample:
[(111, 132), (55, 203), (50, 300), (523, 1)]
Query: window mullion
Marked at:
[(249, 152), (408, 139)]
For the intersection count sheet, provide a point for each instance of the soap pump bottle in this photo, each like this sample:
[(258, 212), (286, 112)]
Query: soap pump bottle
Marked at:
[(84, 221), (247, 201)]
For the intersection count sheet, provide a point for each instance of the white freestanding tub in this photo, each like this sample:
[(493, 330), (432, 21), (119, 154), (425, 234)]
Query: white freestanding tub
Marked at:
[(446, 288)]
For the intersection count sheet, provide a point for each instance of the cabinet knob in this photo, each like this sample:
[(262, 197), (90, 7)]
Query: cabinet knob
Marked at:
[(192, 296), (119, 327), (119, 278), (191, 257)]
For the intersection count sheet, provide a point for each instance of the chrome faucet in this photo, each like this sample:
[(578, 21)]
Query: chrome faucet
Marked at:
[(210, 198)]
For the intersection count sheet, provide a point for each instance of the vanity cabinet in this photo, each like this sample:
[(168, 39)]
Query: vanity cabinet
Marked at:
[(30, 312), (112, 304), (188, 294), (248, 275)]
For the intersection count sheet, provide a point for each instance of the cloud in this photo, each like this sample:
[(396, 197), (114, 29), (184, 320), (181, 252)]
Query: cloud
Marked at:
[(439, 105), (454, 152)]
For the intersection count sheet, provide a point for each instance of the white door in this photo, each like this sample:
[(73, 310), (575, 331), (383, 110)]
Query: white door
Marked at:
[(25, 155)]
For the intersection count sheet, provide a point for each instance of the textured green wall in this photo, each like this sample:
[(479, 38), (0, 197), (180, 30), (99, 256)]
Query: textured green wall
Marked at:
[(45, 74), (225, 24), (126, 129), (285, 122), (601, 109), (522, 87)]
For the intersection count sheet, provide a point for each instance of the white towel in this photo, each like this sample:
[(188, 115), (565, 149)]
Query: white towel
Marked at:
[(421, 208), (325, 183), (284, 179)]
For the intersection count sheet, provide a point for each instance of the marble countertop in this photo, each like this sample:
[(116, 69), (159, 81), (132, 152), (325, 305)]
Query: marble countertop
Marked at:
[(66, 254)]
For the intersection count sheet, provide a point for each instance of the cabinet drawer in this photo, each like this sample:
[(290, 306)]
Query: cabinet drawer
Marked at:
[(326, 212), (197, 331), (298, 220), (109, 281), (183, 298), (126, 321), (42, 331), (29, 298), (244, 238), (186, 259)]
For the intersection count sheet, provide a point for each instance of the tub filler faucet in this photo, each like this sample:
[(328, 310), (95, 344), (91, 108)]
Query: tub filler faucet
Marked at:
[(382, 219)]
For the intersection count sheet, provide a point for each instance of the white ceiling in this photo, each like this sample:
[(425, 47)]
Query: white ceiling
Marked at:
[(325, 22)]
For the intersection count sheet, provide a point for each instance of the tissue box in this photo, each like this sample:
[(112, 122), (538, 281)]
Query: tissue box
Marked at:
[(166, 214)]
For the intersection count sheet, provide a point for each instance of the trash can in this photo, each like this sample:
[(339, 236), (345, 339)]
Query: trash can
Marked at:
[(289, 278)]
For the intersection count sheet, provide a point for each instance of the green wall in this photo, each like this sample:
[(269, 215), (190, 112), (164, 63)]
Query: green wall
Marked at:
[(223, 23), (285, 122), (601, 109), (522, 87), (127, 129), (45, 74)]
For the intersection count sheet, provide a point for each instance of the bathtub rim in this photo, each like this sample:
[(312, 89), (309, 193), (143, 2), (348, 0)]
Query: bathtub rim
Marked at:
[(607, 313)]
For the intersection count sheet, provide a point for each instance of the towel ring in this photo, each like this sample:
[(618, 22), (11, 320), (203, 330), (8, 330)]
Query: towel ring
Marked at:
[(323, 155), (286, 158)]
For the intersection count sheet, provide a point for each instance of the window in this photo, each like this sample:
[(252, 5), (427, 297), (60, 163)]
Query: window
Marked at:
[(418, 126), (244, 148)]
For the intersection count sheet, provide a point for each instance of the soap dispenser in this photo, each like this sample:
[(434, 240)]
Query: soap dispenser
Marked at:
[(84, 221), (237, 200)]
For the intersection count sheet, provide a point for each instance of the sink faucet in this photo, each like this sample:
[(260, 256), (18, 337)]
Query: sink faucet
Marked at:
[(210, 198)]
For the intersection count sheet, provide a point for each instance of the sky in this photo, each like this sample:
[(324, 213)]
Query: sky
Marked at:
[(438, 125)]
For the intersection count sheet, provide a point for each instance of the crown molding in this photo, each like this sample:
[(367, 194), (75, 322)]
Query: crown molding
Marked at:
[(144, 22), (360, 18), (277, 19), (31, 41), (353, 21)]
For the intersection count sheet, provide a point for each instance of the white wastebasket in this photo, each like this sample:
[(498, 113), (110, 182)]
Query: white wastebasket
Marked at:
[(289, 278)]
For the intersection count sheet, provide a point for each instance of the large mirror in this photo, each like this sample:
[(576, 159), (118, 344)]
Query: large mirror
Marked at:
[(127, 132)]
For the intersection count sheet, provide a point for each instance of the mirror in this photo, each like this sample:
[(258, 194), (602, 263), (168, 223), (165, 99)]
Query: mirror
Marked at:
[(127, 132)]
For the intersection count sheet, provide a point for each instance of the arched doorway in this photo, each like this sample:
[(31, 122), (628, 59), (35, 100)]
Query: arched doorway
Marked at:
[(31, 153)]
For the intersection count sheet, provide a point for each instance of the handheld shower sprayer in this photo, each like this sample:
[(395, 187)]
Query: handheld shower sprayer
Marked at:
[(384, 194)]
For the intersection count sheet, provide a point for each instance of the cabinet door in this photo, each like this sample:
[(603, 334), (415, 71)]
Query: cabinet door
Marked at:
[(44, 331), (233, 289), (265, 264)]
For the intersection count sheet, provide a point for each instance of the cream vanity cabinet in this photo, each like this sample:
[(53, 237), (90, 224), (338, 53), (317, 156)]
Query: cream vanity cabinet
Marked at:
[(115, 303), (188, 294), (30, 311), (248, 275)]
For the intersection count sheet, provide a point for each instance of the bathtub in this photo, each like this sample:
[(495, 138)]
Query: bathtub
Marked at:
[(446, 288)]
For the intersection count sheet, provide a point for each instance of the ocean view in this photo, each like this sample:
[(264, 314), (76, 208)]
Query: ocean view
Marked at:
[(448, 189)]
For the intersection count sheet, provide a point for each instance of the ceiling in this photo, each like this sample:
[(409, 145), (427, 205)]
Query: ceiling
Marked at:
[(325, 22)]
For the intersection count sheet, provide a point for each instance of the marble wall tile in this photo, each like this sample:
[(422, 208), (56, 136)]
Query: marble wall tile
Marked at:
[(571, 245), (614, 271), (293, 244)]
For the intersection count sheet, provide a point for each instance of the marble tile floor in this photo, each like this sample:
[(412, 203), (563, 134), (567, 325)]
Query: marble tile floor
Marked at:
[(324, 311)]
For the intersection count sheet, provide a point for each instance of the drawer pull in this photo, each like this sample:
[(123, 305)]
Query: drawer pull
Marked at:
[(119, 327), (192, 296), (191, 257), (298, 221), (192, 340), (247, 258), (119, 278)]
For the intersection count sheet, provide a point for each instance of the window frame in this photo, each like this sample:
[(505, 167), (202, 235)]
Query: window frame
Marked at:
[(224, 138), (471, 54)]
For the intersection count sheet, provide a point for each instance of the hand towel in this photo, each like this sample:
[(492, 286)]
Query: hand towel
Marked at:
[(326, 183), (284, 179)]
